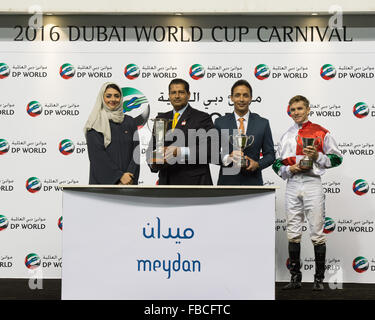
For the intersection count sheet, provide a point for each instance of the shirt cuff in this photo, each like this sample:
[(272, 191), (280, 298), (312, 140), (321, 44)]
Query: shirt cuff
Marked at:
[(185, 153), (322, 159), (285, 172)]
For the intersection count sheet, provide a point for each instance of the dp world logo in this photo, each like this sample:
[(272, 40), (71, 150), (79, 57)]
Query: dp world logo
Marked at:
[(360, 187), (329, 225), (4, 70), (196, 71), (131, 71), (4, 146), (32, 261), (288, 111), (136, 103), (327, 72), (3, 222), (262, 71), (33, 185), (59, 223), (289, 266), (34, 109), (66, 147), (67, 71), (360, 264), (361, 110)]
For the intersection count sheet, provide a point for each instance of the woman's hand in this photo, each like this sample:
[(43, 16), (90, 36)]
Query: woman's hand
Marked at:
[(127, 178)]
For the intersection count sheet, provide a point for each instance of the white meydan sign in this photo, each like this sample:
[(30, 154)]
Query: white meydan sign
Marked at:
[(168, 245)]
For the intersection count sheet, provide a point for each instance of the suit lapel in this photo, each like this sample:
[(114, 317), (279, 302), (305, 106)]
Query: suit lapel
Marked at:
[(232, 125), (169, 116), (250, 131), (184, 117), (250, 125)]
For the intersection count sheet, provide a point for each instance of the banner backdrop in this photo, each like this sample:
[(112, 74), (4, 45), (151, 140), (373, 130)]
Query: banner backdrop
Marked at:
[(48, 90), (168, 246)]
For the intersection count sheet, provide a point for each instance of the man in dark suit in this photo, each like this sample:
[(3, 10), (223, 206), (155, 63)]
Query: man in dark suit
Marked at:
[(250, 124), (186, 163)]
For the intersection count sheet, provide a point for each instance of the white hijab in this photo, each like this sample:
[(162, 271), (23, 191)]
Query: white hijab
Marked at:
[(101, 114)]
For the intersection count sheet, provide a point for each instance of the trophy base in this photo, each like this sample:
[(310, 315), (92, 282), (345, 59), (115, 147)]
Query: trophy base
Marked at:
[(156, 164), (160, 161), (158, 157), (242, 164), (306, 164), (157, 161)]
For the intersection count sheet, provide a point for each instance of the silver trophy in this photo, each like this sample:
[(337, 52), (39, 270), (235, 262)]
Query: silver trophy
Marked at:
[(241, 141), (159, 131), (306, 162)]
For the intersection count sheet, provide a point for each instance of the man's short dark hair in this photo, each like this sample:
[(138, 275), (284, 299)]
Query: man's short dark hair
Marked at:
[(299, 98), (242, 83), (180, 81)]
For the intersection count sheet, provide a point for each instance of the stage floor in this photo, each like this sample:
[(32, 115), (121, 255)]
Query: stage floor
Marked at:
[(18, 289)]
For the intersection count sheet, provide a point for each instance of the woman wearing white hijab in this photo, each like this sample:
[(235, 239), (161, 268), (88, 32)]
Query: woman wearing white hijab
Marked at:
[(109, 135)]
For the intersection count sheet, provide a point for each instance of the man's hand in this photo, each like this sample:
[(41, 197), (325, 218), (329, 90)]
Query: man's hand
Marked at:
[(311, 152), (127, 178), (171, 152), (253, 165), (296, 169)]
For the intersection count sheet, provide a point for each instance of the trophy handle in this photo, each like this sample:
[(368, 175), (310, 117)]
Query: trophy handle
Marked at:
[(234, 145), (252, 138), (318, 141), (299, 140), (250, 141), (231, 140), (153, 120)]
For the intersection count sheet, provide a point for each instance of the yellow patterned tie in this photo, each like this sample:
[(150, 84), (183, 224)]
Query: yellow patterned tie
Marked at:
[(242, 127), (175, 120)]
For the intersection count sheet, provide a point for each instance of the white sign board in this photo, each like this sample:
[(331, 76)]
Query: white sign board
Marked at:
[(136, 247)]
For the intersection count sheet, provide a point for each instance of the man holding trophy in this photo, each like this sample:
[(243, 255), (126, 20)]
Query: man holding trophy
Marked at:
[(177, 151), (243, 135), (303, 154)]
